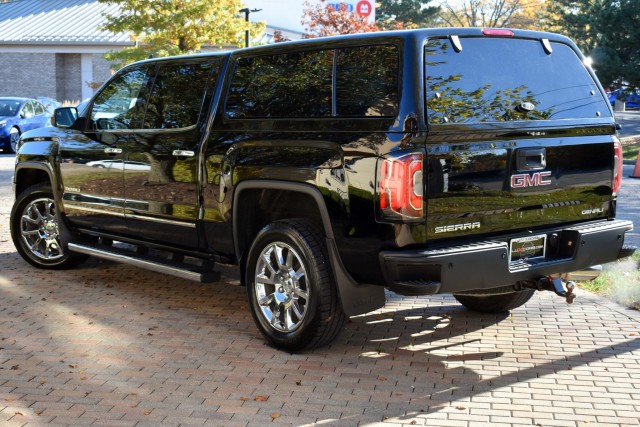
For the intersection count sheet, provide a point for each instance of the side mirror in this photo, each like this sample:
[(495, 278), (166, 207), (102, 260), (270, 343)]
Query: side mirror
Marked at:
[(64, 117)]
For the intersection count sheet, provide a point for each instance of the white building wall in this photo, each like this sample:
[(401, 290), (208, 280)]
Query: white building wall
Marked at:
[(102, 69), (86, 75)]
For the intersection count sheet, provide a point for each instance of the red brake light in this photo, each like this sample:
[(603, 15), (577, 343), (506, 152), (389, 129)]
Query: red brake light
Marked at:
[(400, 186), (495, 32), (617, 167)]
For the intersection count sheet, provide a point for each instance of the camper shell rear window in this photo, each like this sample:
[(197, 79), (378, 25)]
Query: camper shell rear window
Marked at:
[(492, 79)]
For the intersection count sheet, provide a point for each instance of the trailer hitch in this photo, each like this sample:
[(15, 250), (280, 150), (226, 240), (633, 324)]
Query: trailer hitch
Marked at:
[(555, 284)]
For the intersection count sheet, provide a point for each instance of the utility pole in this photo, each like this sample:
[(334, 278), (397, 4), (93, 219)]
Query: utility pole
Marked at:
[(246, 12)]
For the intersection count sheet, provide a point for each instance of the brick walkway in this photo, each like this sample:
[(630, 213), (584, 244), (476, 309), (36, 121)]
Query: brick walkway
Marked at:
[(113, 345)]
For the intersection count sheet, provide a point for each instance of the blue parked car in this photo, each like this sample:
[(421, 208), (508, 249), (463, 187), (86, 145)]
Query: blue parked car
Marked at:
[(18, 115), (631, 97)]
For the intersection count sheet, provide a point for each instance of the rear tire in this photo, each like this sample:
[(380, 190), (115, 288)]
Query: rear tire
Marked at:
[(290, 286), (495, 303), (35, 230)]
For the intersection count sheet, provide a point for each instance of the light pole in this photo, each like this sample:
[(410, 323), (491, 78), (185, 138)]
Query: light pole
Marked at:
[(246, 12)]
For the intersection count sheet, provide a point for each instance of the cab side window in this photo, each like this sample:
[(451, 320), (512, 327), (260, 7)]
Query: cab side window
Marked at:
[(122, 103), (177, 95)]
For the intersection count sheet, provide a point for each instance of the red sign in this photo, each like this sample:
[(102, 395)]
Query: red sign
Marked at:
[(364, 8)]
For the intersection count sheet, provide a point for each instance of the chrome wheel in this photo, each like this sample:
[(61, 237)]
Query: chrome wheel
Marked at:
[(14, 137), (281, 287), (291, 289), (39, 229)]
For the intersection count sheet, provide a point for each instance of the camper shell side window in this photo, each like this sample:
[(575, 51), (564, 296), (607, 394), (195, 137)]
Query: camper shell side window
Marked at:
[(360, 81)]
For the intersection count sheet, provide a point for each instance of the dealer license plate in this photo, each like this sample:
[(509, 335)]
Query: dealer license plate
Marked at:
[(527, 247)]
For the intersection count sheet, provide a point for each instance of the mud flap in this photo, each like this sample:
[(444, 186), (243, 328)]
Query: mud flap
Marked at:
[(356, 298)]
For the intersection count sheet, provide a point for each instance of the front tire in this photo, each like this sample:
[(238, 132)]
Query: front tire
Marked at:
[(35, 230), (290, 286), (495, 303)]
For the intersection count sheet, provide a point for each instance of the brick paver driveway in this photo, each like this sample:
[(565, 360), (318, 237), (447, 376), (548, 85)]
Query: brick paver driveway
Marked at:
[(108, 344)]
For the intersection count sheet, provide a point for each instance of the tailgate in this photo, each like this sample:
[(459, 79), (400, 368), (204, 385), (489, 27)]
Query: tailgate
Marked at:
[(499, 186)]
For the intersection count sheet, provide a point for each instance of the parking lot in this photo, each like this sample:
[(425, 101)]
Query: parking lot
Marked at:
[(630, 122), (109, 344)]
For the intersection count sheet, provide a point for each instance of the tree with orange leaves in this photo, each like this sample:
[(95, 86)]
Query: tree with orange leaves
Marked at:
[(323, 19)]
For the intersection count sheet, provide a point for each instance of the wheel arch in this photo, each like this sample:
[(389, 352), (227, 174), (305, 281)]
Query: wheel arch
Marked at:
[(247, 195), (249, 217), (28, 174)]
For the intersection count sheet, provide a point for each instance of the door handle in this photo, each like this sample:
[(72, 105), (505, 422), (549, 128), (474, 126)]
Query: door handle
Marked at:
[(111, 150), (183, 153)]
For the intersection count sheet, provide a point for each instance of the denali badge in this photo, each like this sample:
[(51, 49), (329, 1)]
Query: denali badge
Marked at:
[(593, 211), (457, 227), (530, 180)]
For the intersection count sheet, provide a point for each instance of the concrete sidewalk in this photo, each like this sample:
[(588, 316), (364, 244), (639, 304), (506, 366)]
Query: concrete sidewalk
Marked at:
[(112, 345)]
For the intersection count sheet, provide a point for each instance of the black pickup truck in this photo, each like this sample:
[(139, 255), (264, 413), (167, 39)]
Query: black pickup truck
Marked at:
[(477, 162)]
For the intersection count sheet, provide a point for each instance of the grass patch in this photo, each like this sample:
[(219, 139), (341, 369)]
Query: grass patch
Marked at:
[(630, 148), (619, 281)]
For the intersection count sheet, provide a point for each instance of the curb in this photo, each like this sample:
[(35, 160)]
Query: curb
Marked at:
[(630, 139)]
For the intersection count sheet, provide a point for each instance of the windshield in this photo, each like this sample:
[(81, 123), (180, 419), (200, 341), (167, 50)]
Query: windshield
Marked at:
[(9, 107), (505, 79)]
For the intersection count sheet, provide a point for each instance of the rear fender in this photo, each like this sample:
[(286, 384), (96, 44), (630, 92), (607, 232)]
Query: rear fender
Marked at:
[(355, 298)]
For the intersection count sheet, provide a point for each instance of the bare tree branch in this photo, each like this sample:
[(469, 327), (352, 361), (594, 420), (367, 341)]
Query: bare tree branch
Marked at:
[(488, 13)]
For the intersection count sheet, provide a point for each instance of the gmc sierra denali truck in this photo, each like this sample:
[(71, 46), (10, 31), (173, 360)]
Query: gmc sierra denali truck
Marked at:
[(477, 162)]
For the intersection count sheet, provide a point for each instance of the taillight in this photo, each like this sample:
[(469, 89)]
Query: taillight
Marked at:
[(617, 167), (400, 187)]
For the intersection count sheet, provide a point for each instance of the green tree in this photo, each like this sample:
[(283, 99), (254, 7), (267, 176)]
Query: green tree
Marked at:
[(616, 55), (571, 18), (405, 13), (163, 28), (608, 31)]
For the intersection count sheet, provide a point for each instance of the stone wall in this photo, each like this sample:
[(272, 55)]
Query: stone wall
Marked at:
[(54, 75), (68, 77), (28, 74)]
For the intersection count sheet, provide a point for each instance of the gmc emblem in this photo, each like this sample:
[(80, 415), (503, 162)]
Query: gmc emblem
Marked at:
[(536, 179)]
